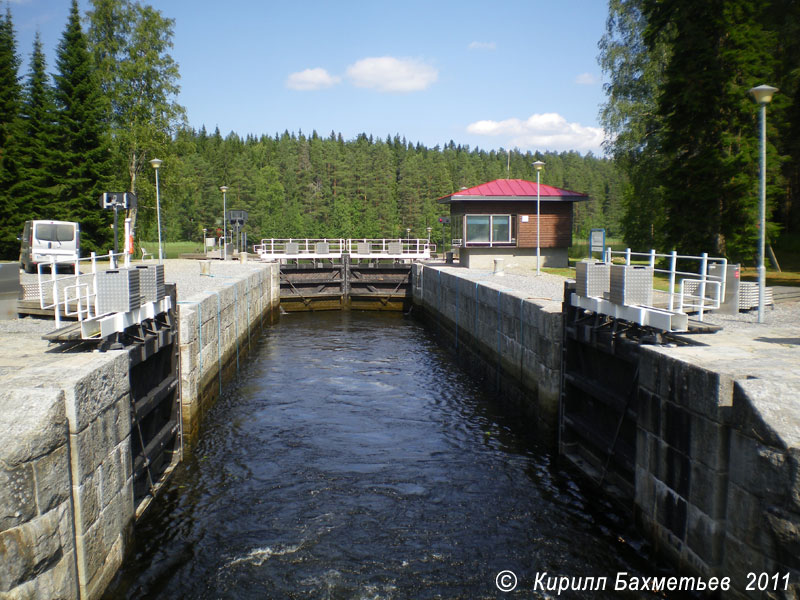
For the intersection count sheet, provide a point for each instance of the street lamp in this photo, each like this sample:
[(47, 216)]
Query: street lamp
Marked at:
[(224, 189), (538, 166), (156, 163), (763, 95)]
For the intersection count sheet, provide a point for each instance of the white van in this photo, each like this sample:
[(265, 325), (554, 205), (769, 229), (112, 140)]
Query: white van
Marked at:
[(46, 240)]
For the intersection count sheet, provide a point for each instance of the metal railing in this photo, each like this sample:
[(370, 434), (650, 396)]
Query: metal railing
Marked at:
[(390, 248), (698, 291), (291, 248), (76, 295), (272, 248), (73, 295)]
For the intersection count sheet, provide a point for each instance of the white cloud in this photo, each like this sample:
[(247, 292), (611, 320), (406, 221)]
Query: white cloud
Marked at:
[(548, 131), (389, 74), (587, 79), (482, 46), (311, 79)]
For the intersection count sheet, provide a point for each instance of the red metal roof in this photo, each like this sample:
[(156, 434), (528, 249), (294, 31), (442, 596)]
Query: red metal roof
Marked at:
[(513, 188)]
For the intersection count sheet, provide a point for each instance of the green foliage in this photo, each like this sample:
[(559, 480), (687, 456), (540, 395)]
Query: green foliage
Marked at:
[(81, 164), (293, 185), (10, 143), (111, 108), (131, 43), (684, 128), (35, 188), (630, 116)]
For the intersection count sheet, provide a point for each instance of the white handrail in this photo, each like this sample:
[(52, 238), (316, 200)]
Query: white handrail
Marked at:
[(80, 288), (686, 293), (309, 248)]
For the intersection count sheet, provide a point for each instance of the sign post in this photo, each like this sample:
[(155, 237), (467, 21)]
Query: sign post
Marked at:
[(597, 242), (444, 221), (117, 200)]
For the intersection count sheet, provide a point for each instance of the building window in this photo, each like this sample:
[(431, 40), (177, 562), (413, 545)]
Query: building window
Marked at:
[(478, 229), (489, 230)]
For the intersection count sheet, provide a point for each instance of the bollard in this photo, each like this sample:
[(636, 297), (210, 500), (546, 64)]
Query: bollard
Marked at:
[(448, 258), (205, 267), (498, 266), (243, 257)]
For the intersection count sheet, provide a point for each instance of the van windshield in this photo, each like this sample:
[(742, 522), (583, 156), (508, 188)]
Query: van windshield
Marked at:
[(55, 232)]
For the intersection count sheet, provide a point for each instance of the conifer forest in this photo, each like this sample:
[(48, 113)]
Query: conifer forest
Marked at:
[(680, 170)]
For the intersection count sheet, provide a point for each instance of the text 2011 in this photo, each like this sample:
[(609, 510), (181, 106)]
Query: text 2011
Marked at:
[(764, 581)]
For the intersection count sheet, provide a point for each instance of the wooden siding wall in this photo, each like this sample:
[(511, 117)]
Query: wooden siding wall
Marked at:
[(556, 228)]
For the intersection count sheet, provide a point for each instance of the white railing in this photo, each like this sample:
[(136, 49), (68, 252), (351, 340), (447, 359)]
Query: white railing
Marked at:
[(398, 248), (698, 290), (73, 295), (272, 249), (390, 248), (76, 296)]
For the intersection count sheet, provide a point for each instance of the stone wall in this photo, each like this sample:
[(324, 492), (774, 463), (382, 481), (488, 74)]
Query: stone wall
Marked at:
[(215, 333), (66, 483), (66, 495), (718, 471), (511, 342)]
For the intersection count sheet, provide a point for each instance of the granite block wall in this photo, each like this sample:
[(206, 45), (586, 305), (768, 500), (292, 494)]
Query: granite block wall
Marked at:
[(510, 341)]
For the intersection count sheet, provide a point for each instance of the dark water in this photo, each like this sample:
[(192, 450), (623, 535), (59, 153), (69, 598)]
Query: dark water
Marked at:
[(353, 459)]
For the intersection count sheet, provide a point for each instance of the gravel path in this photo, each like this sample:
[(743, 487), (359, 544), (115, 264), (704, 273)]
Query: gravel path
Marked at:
[(538, 287)]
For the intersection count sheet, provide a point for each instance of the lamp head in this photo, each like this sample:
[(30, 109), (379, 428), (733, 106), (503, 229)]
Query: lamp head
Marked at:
[(538, 165), (763, 93), (223, 188), (155, 163)]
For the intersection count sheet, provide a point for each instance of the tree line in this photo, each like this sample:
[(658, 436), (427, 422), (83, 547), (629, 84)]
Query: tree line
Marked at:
[(111, 107), (297, 185), (684, 129)]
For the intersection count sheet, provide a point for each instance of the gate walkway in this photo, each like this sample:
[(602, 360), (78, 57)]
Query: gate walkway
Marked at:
[(333, 249)]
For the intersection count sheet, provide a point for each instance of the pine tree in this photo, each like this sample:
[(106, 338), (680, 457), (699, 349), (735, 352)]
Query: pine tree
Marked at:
[(34, 189), (10, 216), (709, 135), (81, 163)]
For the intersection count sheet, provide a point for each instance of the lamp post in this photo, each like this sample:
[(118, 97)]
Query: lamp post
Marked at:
[(538, 166), (224, 189), (156, 163), (763, 95)]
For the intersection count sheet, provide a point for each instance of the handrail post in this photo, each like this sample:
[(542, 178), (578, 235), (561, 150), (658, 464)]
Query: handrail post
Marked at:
[(703, 275), (673, 263), (652, 258), (627, 256), (93, 258), (55, 291)]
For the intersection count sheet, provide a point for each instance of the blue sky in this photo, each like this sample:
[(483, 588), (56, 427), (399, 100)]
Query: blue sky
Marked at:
[(522, 73)]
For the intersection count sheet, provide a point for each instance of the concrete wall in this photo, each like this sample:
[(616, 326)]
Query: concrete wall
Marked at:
[(718, 470), (512, 343), (66, 495), (483, 258), (215, 333)]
